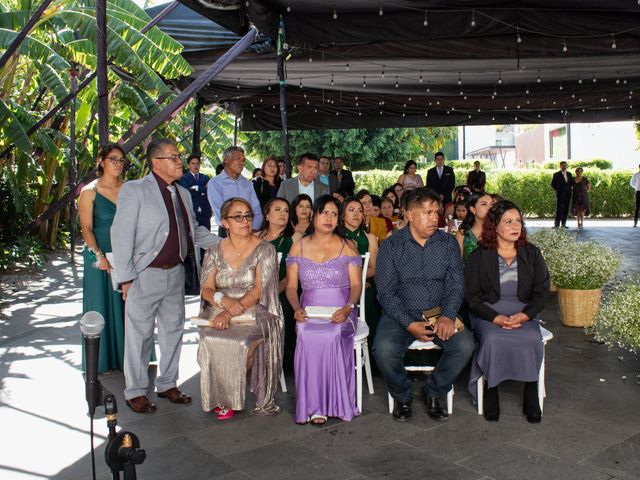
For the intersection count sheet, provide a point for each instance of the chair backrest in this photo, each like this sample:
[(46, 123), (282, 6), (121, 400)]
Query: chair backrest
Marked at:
[(365, 265)]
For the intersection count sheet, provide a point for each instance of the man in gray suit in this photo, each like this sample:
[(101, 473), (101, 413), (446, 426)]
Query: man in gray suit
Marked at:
[(305, 182), (151, 233)]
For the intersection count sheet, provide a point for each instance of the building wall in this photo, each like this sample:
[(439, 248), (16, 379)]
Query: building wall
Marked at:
[(615, 141), (531, 146)]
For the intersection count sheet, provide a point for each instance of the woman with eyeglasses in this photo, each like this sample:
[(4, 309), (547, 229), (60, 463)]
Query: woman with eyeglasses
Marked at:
[(329, 269), (96, 208), (506, 286), (277, 229), (242, 343)]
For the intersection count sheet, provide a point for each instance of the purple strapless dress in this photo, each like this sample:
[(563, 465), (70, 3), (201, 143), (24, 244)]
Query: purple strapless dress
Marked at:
[(324, 357)]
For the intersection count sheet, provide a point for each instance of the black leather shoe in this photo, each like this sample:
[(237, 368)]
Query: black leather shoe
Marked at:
[(491, 404), (530, 403), (435, 411), (401, 411)]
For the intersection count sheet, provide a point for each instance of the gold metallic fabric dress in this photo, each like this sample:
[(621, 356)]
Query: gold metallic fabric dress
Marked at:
[(250, 351)]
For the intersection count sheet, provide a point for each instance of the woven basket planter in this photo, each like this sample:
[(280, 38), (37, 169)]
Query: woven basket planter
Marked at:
[(578, 308)]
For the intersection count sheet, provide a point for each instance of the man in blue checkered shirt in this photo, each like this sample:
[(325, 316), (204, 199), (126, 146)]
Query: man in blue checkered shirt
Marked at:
[(419, 268)]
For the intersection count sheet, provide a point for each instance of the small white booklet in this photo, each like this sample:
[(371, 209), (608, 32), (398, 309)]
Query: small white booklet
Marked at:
[(114, 282), (320, 312)]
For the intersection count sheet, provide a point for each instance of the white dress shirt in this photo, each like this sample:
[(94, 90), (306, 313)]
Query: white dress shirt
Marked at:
[(635, 181)]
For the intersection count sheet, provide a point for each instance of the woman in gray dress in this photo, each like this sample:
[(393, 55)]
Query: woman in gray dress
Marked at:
[(243, 342), (506, 285)]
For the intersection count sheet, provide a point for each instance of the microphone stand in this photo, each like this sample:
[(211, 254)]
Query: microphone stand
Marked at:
[(123, 450)]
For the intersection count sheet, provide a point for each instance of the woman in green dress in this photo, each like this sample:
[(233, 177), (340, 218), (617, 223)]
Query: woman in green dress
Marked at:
[(96, 208), (278, 230), (470, 231), (352, 220)]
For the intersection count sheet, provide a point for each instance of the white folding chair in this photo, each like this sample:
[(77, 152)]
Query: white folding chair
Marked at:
[(419, 345), (546, 336), (360, 342)]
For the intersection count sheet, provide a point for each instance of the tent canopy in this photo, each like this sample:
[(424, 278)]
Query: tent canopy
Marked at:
[(369, 64)]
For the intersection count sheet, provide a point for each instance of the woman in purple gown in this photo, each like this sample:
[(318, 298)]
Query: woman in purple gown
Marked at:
[(329, 269)]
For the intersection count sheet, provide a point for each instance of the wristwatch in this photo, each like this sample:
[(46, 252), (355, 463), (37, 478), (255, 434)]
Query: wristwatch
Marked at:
[(353, 307), (217, 298)]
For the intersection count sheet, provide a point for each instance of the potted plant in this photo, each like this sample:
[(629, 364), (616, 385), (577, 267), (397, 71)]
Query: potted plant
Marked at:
[(580, 270), (550, 240), (617, 323)]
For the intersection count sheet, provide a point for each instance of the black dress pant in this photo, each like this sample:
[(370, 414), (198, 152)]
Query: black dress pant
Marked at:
[(562, 209), (635, 215)]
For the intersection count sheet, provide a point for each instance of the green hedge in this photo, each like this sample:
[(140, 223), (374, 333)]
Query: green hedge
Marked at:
[(531, 190), (599, 163)]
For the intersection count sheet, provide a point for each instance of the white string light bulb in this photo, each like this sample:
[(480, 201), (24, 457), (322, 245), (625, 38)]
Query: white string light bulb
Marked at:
[(518, 37), (426, 22), (473, 18), (613, 42), (420, 79), (564, 46), (335, 14), (288, 8)]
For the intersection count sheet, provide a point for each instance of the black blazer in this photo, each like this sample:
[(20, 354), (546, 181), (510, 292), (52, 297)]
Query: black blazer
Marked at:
[(477, 180), (561, 187), (442, 185), (346, 184), (482, 281)]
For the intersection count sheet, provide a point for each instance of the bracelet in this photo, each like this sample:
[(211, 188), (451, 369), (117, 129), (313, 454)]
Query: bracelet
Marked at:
[(217, 298)]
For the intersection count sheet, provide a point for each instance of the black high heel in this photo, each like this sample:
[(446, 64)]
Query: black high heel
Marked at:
[(530, 403)]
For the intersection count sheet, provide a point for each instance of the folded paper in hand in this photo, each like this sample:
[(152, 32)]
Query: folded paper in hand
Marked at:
[(114, 282), (314, 311)]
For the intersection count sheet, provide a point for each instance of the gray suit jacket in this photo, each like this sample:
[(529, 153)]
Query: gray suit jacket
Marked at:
[(289, 189), (141, 225)]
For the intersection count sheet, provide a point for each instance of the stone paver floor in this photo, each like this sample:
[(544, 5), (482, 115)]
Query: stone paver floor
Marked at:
[(590, 428)]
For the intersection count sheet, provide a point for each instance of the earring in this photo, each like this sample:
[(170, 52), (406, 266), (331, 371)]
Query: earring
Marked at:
[(267, 218)]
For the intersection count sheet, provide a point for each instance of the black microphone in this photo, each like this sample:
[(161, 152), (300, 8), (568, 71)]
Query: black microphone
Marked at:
[(92, 324)]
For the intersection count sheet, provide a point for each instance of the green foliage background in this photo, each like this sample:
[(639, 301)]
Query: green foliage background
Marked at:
[(361, 148), (531, 190)]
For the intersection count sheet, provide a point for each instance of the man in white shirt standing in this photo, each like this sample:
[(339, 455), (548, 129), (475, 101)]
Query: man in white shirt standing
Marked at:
[(635, 183)]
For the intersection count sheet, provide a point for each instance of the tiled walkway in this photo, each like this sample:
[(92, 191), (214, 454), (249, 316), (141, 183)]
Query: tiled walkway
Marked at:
[(590, 428)]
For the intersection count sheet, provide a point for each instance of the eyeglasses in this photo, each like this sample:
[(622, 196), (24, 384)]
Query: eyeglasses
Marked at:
[(240, 218), (116, 160), (173, 158)]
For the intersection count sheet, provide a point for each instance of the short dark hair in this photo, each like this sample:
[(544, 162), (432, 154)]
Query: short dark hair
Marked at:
[(155, 147), (103, 152), (376, 201), (362, 193), (305, 156), (219, 168), (192, 156), (438, 154), (562, 163), (418, 196)]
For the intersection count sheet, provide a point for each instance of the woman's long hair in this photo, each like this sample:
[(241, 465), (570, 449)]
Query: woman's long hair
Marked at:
[(470, 219), (407, 165), (288, 229), (489, 227), (320, 204), (293, 216)]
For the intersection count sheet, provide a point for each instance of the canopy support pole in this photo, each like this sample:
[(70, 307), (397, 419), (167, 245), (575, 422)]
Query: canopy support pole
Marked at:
[(235, 130), (197, 126), (22, 34), (72, 157), (154, 122), (283, 97), (101, 69)]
